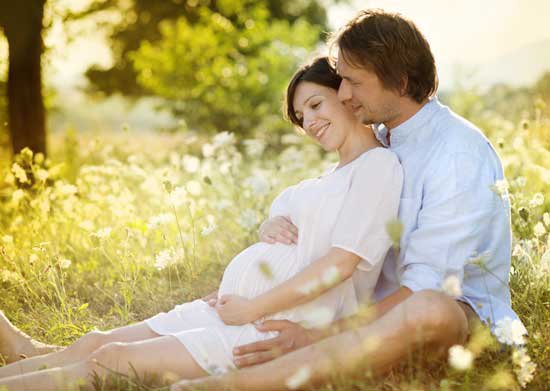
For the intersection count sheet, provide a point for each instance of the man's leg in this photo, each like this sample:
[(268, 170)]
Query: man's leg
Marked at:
[(429, 320)]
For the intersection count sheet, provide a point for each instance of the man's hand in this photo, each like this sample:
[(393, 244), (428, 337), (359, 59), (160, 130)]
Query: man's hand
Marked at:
[(278, 229), (237, 310), (211, 298), (291, 336)]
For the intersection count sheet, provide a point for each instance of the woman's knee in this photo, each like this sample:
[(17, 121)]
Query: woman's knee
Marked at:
[(437, 318), (108, 356), (88, 343)]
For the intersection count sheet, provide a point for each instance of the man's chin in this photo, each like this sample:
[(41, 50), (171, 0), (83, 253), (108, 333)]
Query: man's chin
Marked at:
[(367, 120)]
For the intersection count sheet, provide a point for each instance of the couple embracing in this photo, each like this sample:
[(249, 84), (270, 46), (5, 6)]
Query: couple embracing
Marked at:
[(402, 155)]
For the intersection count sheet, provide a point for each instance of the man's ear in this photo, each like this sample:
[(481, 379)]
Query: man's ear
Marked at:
[(403, 85)]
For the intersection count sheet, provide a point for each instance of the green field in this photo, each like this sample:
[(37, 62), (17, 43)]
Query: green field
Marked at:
[(113, 228)]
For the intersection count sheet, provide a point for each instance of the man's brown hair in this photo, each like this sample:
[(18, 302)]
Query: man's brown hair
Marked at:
[(392, 47)]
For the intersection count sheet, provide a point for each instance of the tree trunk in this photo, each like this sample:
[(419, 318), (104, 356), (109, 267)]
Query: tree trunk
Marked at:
[(26, 113)]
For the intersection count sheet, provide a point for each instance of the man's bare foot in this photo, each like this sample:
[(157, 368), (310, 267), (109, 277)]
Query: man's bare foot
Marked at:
[(16, 345)]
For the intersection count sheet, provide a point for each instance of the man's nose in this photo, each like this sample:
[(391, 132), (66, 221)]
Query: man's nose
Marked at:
[(344, 92)]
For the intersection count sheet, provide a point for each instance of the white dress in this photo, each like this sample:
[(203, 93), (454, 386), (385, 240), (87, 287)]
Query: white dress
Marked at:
[(347, 208)]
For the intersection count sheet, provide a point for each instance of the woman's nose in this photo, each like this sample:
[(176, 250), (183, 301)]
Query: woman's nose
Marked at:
[(309, 121), (344, 92)]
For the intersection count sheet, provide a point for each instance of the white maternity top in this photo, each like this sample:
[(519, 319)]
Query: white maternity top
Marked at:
[(348, 208)]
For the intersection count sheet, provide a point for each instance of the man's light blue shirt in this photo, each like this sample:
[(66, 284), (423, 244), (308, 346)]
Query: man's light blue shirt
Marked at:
[(454, 223)]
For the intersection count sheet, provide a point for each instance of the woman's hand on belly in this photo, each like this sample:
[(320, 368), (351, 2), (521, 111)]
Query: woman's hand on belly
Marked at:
[(237, 310), (278, 229)]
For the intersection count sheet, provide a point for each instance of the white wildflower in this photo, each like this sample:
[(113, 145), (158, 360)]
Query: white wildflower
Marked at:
[(66, 189), (248, 219), (33, 258), (451, 286), (510, 331), (194, 188), (299, 378), (521, 181), (460, 358), (17, 196), (545, 262), (537, 200), (309, 287), (210, 227), (163, 259), (539, 229), (190, 163), (223, 204), (224, 168), (7, 239), (317, 318), (331, 276), (524, 367), (546, 219), (258, 184), (159, 220), (103, 233), (224, 138), (168, 257), (178, 196), (19, 173), (291, 138), (86, 225), (254, 147), (65, 263), (42, 175), (500, 187), (208, 150)]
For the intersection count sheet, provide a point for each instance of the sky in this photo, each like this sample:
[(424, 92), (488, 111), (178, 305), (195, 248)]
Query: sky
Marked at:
[(470, 31), (466, 32)]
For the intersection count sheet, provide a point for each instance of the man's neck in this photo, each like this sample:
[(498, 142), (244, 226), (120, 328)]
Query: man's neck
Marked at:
[(408, 108)]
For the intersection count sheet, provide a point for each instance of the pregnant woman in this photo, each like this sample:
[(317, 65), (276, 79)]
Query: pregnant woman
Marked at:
[(341, 216)]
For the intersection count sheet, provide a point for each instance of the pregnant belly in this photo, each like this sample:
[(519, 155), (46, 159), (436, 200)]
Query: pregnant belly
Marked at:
[(259, 268)]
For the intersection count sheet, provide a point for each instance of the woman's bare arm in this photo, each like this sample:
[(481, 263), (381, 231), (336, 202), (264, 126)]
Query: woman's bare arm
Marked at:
[(318, 277)]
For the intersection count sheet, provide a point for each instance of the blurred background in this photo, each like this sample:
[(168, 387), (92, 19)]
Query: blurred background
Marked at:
[(221, 65), (157, 144)]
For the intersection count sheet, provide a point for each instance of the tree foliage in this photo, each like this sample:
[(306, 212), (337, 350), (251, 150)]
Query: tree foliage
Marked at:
[(140, 21), (227, 70)]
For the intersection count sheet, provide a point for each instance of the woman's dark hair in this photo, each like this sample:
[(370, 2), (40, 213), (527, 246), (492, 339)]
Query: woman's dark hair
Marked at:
[(394, 48), (318, 71)]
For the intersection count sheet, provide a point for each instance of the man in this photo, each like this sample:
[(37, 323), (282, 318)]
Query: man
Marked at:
[(454, 226)]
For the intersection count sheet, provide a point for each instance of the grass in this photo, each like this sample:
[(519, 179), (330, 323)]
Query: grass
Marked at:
[(93, 237)]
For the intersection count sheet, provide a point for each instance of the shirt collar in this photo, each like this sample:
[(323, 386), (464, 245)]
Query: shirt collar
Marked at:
[(400, 133)]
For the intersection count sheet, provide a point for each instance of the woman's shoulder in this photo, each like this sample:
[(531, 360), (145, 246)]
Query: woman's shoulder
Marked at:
[(379, 155)]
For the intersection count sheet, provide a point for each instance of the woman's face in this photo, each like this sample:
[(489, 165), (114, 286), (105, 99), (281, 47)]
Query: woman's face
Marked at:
[(324, 117)]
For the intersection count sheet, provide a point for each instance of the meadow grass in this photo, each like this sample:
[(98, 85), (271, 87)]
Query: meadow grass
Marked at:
[(113, 228)]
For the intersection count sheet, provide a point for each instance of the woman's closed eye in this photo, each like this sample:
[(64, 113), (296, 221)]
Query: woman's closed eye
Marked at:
[(315, 105)]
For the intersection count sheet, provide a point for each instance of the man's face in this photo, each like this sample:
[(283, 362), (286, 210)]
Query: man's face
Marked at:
[(363, 92)]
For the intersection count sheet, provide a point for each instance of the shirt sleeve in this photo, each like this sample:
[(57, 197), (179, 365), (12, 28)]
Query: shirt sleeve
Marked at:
[(371, 202), (456, 209)]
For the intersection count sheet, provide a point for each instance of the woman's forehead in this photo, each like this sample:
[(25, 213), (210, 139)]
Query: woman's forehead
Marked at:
[(306, 90)]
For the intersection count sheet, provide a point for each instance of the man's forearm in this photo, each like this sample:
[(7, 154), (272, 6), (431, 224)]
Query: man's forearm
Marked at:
[(367, 315)]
